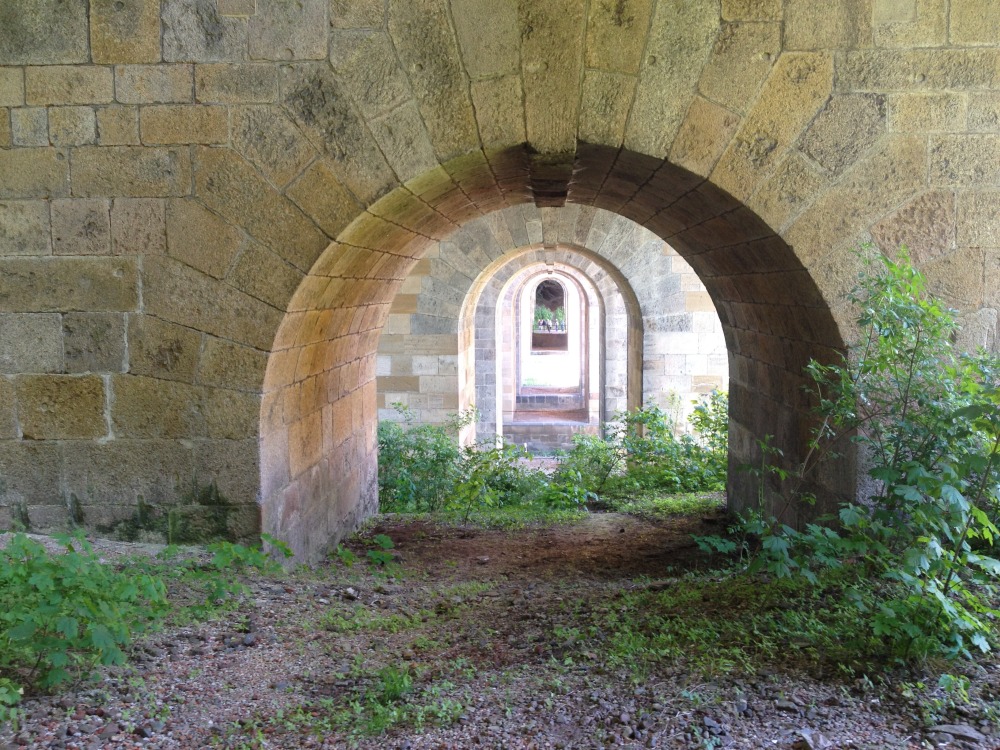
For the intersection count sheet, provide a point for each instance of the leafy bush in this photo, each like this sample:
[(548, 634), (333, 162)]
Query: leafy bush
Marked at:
[(927, 420), (63, 614)]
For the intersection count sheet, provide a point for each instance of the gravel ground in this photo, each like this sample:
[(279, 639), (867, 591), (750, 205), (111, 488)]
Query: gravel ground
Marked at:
[(480, 622)]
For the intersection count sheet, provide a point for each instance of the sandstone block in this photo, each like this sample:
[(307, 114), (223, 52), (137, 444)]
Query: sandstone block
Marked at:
[(606, 101), (230, 415), (24, 228), (31, 472), (926, 225), (149, 408), (157, 472), (498, 104), (927, 113), (94, 342), (180, 294), (138, 226), (54, 31), (68, 284), (131, 170), (194, 31), (324, 198), (6, 137), (910, 23), (752, 10), (233, 466), (124, 31), (162, 350), (183, 123), (304, 450), (200, 238), (11, 87), (984, 112), (741, 59), (918, 69), (228, 365), (322, 109), (81, 226), (974, 22), (289, 31), (844, 129), (33, 173), (681, 36), (239, 83), (423, 37), (227, 184), (403, 139), (842, 24), (8, 419), (30, 343), (68, 84), (29, 126), (237, 8), (615, 35), (492, 54), (264, 275), (965, 160), (270, 141), (118, 126), (357, 14), (706, 130), (958, 278), (61, 407), (979, 218), (154, 84), (366, 64), (72, 126)]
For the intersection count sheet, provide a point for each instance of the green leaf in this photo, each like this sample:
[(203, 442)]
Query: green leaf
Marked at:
[(24, 631)]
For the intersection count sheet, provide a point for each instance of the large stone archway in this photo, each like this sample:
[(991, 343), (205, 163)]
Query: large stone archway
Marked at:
[(194, 191)]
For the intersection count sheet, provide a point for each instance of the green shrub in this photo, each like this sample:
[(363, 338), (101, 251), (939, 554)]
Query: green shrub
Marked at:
[(63, 614), (927, 420)]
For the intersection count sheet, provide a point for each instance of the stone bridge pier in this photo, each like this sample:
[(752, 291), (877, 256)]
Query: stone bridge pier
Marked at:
[(208, 207)]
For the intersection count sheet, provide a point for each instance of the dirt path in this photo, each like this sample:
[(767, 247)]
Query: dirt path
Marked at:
[(472, 639)]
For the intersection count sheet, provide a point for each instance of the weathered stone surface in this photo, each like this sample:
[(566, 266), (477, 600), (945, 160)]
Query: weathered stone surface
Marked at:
[(979, 218), (31, 472), (425, 42), (289, 30), (162, 350), (680, 39), (237, 8), (118, 126), (703, 135), (965, 160), (30, 343), (60, 407), (925, 225), (154, 84), (230, 186), (978, 329), (138, 226), (604, 111), (366, 65), (230, 415), (152, 408), (927, 113), (183, 123), (81, 227), (232, 366), (94, 342), (55, 31), (498, 104), (233, 466), (11, 87), (842, 24), (240, 83), (492, 54), (404, 141), (271, 142), (29, 126), (124, 31), (844, 129), (794, 183), (322, 109), (551, 62), (131, 171), (918, 69), (357, 14), (958, 278), (910, 23), (984, 112), (265, 276), (24, 228), (752, 10), (157, 472), (974, 22), (324, 198), (193, 31), (740, 61), (615, 35), (33, 173), (200, 238), (68, 84), (180, 294), (6, 139), (796, 89), (72, 126), (68, 284), (8, 417)]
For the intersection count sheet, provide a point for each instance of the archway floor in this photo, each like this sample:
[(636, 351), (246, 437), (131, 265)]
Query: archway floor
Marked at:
[(505, 638)]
